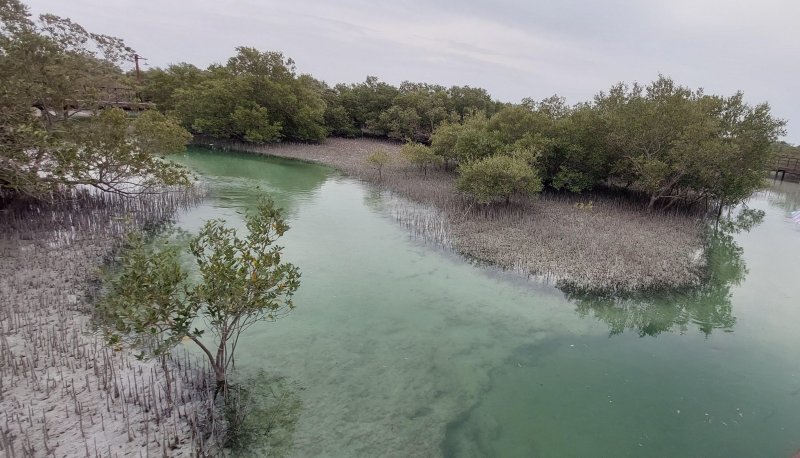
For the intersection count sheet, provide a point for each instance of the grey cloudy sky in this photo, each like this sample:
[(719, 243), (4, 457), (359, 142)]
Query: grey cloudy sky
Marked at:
[(513, 48)]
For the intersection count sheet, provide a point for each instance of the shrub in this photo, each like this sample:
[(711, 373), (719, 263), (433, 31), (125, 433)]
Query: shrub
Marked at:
[(378, 160), (498, 178), (420, 155)]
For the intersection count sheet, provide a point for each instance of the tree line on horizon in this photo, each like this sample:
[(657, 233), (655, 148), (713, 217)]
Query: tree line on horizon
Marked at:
[(783, 148), (259, 97), (672, 143), (675, 144)]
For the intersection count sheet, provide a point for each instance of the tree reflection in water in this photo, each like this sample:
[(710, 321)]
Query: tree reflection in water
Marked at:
[(707, 306)]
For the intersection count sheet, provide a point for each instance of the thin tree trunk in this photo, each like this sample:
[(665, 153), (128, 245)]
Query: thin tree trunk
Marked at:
[(653, 200), (219, 370), (719, 215), (220, 365)]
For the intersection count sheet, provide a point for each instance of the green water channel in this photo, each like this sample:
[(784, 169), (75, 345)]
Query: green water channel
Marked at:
[(397, 348)]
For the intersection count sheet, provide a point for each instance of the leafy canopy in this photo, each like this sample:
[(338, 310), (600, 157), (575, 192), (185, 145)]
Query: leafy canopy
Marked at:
[(242, 281), (256, 97), (671, 143), (378, 160), (52, 71), (497, 177), (420, 155)]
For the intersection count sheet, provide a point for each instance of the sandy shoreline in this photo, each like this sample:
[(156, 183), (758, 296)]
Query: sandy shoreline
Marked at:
[(588, 242), (64, 392)]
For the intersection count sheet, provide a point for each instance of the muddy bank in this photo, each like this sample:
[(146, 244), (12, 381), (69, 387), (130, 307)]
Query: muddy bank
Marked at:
[(589, 242), (63, 392)]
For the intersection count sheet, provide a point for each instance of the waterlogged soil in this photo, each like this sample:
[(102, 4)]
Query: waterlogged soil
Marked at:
[(397, 348), (63, 391)]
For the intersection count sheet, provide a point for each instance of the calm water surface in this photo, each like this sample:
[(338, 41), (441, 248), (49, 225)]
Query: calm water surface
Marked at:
[(399, 349)]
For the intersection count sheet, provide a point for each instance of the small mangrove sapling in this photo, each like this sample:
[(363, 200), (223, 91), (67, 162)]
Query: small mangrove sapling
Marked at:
[(378, 160), (421, 156), (241, 281)]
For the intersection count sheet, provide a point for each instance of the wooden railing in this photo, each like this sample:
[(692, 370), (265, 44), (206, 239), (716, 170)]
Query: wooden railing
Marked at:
[(786, 164)]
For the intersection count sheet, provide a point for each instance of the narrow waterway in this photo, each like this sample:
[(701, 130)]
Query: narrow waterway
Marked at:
[(400, 349)]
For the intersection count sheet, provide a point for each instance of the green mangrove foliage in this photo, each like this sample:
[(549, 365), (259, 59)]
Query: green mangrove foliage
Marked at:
[(53, 70), (420, 155), (410, 112), (256, 96), (681, 145), (785, 149), (378, 160), (666, 141), (468, 141), (242, 281), (673, 144), (498, 177), (161, 85)]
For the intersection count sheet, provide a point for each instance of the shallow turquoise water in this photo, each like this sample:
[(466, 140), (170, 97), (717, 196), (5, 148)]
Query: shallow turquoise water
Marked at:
[(401, 349)]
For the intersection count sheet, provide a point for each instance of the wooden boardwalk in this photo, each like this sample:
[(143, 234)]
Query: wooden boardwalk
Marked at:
[(126, 105), (122, 97), (784, 165)]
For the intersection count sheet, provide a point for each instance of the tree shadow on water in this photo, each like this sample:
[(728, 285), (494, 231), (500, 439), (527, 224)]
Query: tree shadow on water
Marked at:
[(707, 306)]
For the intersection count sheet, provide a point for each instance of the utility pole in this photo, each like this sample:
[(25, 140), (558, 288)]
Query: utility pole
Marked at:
[(136, 59)]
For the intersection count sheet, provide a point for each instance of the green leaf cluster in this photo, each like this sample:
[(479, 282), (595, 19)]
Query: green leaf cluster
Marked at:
[(256, 97), (53, 70), (409, 112), (498, 178), (468, 141), (420, 155), (241, 281), (679, 145), (664, 140), (378, 160), (282, 105)]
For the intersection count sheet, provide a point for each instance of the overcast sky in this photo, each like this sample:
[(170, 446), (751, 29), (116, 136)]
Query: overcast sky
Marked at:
[(513, 48)]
